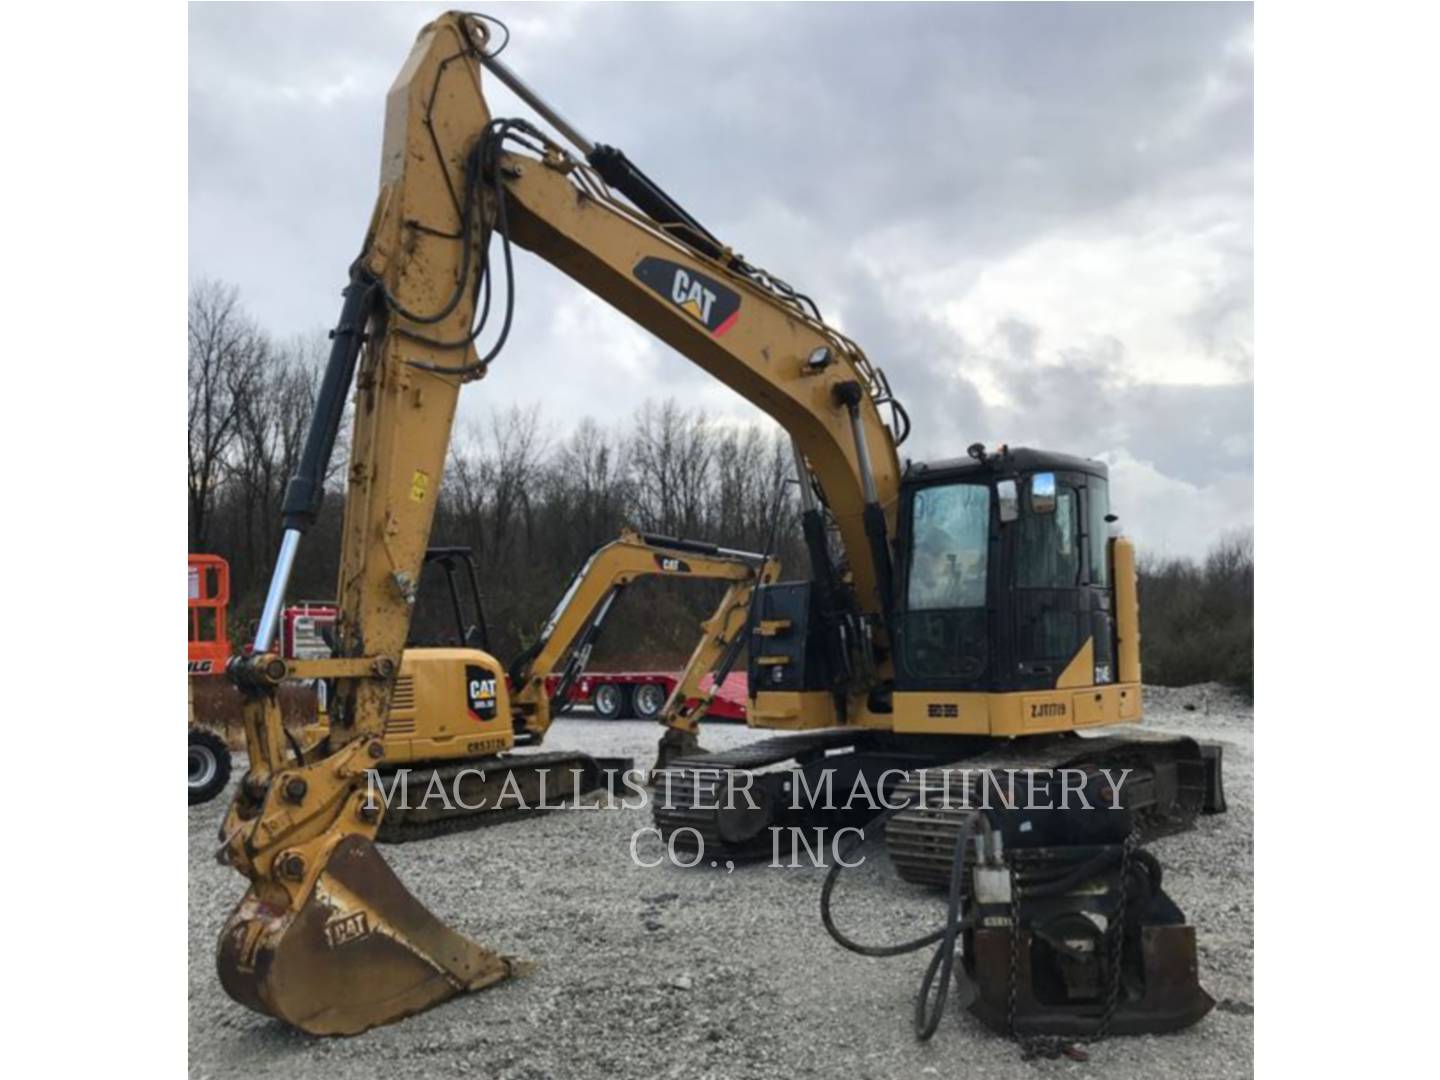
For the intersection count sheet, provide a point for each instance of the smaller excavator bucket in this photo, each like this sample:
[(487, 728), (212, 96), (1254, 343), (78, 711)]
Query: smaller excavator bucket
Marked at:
[(359, 951)]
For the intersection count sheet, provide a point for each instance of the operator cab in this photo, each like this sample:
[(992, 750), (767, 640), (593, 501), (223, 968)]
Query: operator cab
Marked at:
[(1002, 572)]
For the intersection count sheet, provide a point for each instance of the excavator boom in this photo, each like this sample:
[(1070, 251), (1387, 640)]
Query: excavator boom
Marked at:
[(327, 939)]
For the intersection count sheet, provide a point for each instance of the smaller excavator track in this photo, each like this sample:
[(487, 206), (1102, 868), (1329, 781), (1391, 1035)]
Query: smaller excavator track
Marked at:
[(459, 796)]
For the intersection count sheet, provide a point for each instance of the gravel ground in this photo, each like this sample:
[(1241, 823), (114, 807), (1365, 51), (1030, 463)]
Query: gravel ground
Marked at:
[(702, 973)]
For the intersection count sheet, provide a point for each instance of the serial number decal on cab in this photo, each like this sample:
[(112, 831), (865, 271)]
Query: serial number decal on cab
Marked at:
[(701, 297), (1047, 710)]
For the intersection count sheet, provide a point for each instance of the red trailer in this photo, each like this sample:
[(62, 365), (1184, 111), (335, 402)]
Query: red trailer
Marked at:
[(640, 695)]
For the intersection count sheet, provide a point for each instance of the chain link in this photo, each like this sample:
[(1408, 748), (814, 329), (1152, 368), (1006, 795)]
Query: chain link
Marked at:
[(1054, 1046), (1117, 931)]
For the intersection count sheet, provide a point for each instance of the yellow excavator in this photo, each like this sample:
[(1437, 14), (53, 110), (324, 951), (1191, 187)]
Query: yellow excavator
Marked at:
[(448, 713), (565, 643), (444, 715), (971, 609)]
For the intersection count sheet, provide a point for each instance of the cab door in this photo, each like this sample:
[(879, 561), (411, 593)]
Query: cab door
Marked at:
[(1050, 605), (1100, 594)]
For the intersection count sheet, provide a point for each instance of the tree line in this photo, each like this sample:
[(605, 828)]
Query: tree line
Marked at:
[(530, 503), (533, 503), (1197, 619)]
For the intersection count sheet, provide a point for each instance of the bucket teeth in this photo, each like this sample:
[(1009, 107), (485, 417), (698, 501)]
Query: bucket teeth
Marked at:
[(360, 951)]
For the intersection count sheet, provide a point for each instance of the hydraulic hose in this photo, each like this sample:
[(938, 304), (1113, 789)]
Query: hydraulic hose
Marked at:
[(942, 962)]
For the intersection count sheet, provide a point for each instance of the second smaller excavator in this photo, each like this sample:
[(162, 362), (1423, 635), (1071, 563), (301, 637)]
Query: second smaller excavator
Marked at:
[(457, 715)]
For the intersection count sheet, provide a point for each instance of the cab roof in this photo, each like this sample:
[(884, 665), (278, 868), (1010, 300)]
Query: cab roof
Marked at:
[(1005, 461)]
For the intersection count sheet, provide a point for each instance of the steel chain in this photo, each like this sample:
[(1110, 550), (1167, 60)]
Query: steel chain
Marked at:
[(1054, 1046)]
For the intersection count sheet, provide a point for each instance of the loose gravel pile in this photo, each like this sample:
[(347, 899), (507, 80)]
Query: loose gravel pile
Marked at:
[(667, 972)]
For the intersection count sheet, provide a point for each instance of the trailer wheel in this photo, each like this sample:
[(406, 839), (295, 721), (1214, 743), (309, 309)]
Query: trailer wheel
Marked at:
[(209, 765), (610, 701), (649, 700)]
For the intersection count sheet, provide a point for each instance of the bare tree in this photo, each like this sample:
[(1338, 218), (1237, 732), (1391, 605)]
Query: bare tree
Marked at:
[(779, 510), (745, 492), (672, 452), (516, 447), (226, 354), (270, 430), (590, 482)]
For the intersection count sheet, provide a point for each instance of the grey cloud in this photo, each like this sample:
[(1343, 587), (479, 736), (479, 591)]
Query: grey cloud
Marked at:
[(854, 149)]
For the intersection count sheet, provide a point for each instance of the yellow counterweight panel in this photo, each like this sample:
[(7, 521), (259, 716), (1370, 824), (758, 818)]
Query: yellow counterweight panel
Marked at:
[(449, 703)]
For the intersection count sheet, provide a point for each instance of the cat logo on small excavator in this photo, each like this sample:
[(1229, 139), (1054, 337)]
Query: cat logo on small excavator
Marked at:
[(480, 692)]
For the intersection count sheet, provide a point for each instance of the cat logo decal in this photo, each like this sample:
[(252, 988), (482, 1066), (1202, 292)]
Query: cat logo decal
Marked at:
[(711, 304)]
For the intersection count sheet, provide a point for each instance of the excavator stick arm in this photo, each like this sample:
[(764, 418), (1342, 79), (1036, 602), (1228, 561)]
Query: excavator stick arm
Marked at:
[(721, 637), (573, 626), (326, 938)]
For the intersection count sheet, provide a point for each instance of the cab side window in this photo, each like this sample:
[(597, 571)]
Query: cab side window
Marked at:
[(1047, 545), (1099, 529)]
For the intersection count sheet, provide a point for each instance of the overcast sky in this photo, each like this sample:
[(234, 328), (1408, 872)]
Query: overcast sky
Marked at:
[(1036, 218)]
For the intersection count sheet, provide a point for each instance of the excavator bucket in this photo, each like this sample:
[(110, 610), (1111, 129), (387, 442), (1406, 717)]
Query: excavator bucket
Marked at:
[(359, 951), (674, 745)]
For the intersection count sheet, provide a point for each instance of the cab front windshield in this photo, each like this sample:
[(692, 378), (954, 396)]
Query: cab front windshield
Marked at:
[(951, 530)]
